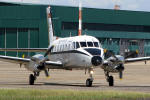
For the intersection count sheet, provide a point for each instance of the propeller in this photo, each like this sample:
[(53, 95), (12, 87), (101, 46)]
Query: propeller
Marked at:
[(120, 74), (120, 68), (48, 51), (42, 62), (46, 73)]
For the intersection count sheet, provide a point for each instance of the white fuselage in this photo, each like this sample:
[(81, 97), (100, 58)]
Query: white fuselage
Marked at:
[(76, 52)]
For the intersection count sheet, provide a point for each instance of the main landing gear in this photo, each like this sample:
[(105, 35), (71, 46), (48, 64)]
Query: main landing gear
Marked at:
[(89, 81), (32, 78), (109, 79)]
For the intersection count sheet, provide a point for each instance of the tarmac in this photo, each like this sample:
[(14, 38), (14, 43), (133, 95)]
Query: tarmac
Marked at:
[(136, 78)]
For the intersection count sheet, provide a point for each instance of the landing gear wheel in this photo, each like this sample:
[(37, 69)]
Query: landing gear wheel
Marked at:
[(31, 79), (111, 81), (89, 82)]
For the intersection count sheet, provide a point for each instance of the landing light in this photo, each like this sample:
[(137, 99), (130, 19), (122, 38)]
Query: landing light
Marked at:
[(92, 72)]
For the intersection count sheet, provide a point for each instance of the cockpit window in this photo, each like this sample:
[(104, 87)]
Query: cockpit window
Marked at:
[(90, 44), (83, 44), (96, 44), (77, 45), (93, 51)]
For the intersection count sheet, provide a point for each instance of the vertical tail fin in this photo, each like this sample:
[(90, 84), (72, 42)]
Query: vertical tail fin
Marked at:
[(50, 27), (80, 19)]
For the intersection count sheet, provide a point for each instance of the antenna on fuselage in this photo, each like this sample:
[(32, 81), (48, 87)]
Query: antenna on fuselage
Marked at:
[(50, 26), (80, 19)]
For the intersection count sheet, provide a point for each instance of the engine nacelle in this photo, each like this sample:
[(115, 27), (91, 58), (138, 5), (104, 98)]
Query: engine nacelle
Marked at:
[(37, 63), (116, 59), (114, 64)]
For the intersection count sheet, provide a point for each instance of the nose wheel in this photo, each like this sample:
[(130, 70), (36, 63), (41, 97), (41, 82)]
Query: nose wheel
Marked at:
[(89, 81)]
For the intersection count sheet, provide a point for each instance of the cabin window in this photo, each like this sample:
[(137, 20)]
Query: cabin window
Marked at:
[(69, 47), (77, 45), (74, 45), (90, 44), (83, 44), (61, 48), (57, 48), (96, 44), (54, 49)]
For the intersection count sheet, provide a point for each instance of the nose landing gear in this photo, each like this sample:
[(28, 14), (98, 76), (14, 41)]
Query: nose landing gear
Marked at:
[(89, 81)]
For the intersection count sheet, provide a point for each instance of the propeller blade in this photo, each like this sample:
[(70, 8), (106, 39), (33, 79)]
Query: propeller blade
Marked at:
[(48, 51), (120, 74), (46, 73)]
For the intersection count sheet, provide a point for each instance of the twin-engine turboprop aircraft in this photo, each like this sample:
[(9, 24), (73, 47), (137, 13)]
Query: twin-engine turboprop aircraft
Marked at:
[(78, 52)]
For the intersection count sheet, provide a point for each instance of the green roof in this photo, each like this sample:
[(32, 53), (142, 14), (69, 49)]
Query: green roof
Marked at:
[(92, 15)]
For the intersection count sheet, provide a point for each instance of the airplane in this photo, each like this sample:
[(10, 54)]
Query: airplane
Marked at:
[(77, 52)]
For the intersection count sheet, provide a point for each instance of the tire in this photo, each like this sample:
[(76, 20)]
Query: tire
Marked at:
[(111, 81), (31, 79), (89, 82)]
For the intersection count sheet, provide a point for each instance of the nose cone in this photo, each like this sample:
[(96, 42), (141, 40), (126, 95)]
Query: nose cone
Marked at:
[(96, 60)]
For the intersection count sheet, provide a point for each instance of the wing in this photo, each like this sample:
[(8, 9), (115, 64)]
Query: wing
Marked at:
[(130, 60), (54, 65), (25, 49), (16, 60)]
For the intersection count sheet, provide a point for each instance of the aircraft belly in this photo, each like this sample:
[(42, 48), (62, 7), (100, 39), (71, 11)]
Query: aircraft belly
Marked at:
[(72, 60), (76, 60)]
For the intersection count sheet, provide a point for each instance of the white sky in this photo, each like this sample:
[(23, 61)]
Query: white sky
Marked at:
[(136, 5)]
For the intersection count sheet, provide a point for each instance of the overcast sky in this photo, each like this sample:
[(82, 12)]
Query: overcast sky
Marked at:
[(136, 5)]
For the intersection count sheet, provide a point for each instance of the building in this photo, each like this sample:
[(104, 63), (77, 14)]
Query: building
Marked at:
[(22, 26), (119, 31)]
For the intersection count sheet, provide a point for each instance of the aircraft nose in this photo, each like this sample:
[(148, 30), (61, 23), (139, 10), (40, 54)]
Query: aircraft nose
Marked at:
[(96, 60)]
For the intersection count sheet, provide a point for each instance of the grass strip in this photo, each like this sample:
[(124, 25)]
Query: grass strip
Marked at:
[(30, 94)]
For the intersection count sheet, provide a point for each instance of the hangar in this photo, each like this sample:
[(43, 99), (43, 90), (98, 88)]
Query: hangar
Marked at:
[(120, 31)]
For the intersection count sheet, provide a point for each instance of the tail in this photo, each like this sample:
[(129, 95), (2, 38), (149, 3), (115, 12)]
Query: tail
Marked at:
[(80, 19), (50, 26)]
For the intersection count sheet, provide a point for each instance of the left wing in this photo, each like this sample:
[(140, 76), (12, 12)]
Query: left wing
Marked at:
[(25, 49), (138, 59), (17, 60)]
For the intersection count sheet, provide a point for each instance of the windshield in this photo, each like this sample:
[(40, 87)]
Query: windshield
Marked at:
[(83, 44), (96, 44), (93, 51), (90, 44)]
